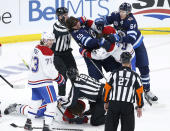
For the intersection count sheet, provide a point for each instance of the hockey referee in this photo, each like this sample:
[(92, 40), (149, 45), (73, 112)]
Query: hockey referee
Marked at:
[(120, 92), (63, 58)]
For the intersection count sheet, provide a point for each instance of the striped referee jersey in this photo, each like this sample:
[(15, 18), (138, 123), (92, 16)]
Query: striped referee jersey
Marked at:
[(84, 87), (124, 85), (63, 38)]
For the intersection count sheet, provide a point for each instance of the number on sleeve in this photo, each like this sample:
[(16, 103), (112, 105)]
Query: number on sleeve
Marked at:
[(35, 65)]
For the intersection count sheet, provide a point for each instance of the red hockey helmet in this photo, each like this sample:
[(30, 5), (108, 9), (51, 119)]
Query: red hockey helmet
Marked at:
[(108, 30)]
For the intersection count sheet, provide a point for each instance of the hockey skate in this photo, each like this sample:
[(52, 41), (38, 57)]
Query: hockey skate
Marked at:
[(11, 108), (28, 125), (46, 128), (150, 97)]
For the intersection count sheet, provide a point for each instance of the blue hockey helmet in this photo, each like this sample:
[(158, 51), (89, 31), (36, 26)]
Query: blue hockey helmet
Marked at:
[(125, 7)]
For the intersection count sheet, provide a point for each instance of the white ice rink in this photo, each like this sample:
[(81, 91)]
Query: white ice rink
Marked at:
[(155, 118)]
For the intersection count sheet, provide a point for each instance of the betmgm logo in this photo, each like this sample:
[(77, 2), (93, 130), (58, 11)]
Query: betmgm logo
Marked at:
[(36, 12)]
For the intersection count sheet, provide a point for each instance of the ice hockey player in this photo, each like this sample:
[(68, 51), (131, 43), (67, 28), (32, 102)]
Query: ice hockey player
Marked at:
[(41, 76), (71, 114), (115, 51), (84, 32), (123, 88), (126, 24), (63, 57), (84, 86)]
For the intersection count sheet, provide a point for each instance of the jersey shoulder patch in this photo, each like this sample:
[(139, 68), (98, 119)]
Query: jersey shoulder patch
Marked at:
[(45, 50), (130, 18)]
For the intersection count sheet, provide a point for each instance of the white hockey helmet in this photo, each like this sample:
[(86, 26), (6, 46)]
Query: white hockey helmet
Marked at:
[(47, 36)]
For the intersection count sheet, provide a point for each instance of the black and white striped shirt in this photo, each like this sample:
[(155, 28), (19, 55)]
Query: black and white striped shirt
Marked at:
[(63, 38), (84, 87), (124, 85)]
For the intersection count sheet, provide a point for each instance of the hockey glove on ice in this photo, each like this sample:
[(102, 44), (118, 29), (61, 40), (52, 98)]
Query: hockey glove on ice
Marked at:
[(60, 80), (85, 53), (79, 120)]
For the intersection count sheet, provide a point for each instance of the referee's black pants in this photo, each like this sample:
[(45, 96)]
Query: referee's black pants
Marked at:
[(63, 61), (123, 111)]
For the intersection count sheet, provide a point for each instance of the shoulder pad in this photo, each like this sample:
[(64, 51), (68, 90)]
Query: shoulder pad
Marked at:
[(75, 31), (115, 12), (45, 50), (130, 18)]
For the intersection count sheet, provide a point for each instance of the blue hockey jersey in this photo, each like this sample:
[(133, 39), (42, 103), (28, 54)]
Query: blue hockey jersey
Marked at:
[(85, 38), (129, 26)]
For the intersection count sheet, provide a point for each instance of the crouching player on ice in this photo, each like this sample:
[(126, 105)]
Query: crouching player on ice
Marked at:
[(41, 77)]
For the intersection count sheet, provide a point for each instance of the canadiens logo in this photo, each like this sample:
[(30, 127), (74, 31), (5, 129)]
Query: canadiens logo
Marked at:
[(115, 23), (130, 18)]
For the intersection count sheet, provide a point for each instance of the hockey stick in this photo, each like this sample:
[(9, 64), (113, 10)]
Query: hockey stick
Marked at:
[(25, 63), (12, 86), (66, 129), (147, 99), (68, 119), (97, 68)]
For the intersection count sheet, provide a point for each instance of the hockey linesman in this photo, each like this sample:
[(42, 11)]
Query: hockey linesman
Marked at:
[(84, 86), (123, 87), (63, 58)]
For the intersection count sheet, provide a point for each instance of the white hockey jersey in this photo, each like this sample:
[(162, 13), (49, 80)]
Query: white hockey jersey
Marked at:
[(42, 69), (101, 53)]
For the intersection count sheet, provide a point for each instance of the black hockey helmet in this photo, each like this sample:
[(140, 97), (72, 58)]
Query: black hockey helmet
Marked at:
[(125, 57), (72, 73), (61, 11), (125, 7)]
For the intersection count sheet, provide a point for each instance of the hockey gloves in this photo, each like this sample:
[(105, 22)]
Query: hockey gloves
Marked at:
[(85, 53), (105, 44), (82, 20), (99, 22), (79, 120), (60, 80), (114, 38)]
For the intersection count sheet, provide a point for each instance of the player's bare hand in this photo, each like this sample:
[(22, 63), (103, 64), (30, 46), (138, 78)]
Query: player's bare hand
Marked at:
[(139, 112), (106, 105)]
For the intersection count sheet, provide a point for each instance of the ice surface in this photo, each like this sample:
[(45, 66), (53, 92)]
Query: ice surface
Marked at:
[(154, 118)]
